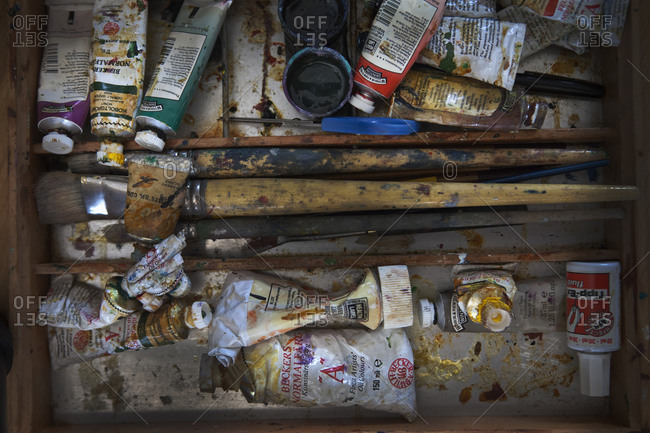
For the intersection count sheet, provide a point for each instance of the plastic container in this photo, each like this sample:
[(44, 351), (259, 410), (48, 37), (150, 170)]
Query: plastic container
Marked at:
[(593, 306), (317, 81)]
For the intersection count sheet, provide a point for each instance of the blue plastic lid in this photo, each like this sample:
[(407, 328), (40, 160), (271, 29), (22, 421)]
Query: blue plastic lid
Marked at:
[(370, 125)]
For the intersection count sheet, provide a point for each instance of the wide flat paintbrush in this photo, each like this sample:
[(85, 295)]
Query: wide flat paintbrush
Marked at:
[(105, 198)]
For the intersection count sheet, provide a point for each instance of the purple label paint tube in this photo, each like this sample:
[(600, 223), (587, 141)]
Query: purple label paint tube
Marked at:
[(64, 80)]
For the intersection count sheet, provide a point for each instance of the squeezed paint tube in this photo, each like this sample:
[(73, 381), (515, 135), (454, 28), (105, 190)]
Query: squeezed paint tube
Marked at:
[(600, 23), (471, 8), (140, 330), (169, 268), (372, 369), (540, 32), (183, 60), (399, 32), (538, 306), (429, 95), (254, 307), (155, 194), (73, 304), (64, 78), (565, 11), (154, 258), (485, 297), (482, 48), (117, 74)]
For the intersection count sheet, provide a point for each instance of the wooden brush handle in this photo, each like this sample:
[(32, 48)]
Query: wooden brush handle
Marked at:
[(249, 197), (269, 162)]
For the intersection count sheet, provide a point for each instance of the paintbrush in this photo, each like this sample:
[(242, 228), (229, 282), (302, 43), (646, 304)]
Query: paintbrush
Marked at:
[(281, 162), (246, 236), (256, 197)]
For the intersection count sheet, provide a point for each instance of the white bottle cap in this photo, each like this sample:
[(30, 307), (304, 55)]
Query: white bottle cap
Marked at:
[(55, 142), (200, 315), (495, 319), (426, 313), (594, 373), (150, 140), (362, 102)]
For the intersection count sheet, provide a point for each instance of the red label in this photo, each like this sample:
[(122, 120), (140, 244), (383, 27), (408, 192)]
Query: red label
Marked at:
[(111, 28), (588, 306), (400, 373), (550, 8), (81, 339)]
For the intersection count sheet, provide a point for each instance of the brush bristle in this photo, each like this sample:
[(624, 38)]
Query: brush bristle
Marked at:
[(59, 198), (86, 163)]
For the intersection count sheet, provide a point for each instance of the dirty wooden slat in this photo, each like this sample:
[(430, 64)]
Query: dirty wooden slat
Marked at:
[(334, 262), (423, 139)]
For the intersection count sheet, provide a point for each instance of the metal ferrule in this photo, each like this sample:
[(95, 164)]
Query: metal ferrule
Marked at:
[(104, 195), (194, 204)]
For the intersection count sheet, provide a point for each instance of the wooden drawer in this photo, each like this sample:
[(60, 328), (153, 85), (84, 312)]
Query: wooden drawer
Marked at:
[(625, 126)]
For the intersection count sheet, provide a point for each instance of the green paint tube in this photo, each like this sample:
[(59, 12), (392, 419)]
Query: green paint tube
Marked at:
[(183, 60)]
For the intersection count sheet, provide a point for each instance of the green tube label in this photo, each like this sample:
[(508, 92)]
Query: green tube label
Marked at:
[(183, 60)]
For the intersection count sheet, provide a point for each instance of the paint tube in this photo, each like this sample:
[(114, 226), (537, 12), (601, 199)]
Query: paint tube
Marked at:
[(599, 23), (538, 306), (117, 74), (183, 60), (471, 8), (429, 95), (482, 48), (485, 297), (399, 32), (137, 331), (73, 304), (154, 258), (565, 11), (254, 307), (372, 369), (540, 32), (64, 78), (155, 194)]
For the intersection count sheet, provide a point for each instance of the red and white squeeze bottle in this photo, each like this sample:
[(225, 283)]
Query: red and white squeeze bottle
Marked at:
[(593, 305), (401, 29)]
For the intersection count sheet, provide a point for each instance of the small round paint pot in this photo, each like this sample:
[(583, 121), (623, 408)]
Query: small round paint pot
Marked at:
[(312, 23), (317, 81)]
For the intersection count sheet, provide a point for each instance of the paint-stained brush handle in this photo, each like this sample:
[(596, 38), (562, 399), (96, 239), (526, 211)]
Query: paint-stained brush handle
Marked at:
[(250, 197), (273, 162)]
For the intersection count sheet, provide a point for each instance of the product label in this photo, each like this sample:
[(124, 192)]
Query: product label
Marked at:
[(471, 8), (178, 57), (396, 32), (64, 71), (561, 10), (483, 48), (117, 66), (458, 317), (432, 91), (343, 367), (590, 317)]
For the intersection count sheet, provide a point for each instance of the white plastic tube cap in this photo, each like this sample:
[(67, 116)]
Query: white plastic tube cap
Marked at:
[(594, 373), (150, 140), (426, 313), (362, 102), (496, 319), (55, 142), (201, 315)]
